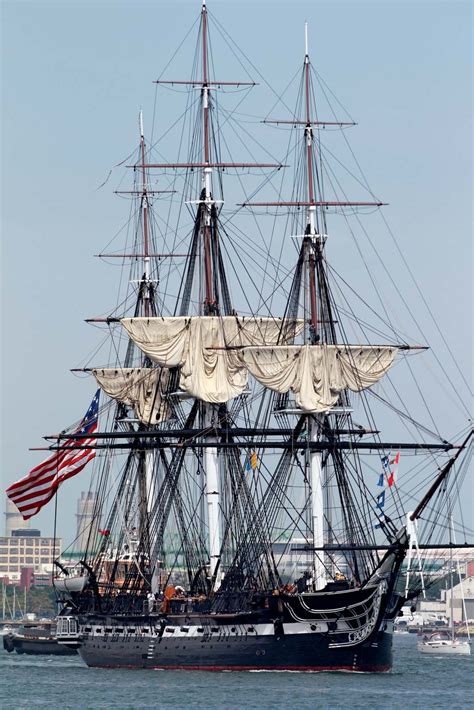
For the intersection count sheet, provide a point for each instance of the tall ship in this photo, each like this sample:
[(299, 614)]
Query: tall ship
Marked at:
[(248, 510)]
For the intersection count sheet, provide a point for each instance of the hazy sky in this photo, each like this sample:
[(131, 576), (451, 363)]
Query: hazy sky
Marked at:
[(75, 74)]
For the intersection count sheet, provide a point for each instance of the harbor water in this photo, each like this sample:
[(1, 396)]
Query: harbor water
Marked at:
[(417, 681)]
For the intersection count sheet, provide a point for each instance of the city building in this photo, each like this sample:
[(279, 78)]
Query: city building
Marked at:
[(18, 552)]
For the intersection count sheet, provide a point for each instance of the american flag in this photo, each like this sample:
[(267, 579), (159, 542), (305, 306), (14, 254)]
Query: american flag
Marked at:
[(36, 489)]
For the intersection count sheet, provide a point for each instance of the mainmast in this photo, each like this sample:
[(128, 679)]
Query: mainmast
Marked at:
[(205, 271), (211, 460), (315, 461)]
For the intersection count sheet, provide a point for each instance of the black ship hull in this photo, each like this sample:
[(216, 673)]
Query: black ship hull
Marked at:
[(298, 652), (341, 631)]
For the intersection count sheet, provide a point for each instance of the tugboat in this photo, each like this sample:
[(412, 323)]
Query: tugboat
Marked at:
[(36, 638)]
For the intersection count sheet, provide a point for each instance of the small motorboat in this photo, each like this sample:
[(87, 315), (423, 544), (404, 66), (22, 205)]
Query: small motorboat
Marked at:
[(443, 643)]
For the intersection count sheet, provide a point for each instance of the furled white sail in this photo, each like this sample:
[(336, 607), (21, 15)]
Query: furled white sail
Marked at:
[(317, 374), (202, 346), (139, 388)]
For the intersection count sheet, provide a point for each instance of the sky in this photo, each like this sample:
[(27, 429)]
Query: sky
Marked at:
[(75, 75)]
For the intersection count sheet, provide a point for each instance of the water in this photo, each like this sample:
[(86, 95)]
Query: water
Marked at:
[(417, 681)]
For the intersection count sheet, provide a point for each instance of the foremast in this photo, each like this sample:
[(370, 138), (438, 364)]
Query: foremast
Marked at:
[(148, 472)]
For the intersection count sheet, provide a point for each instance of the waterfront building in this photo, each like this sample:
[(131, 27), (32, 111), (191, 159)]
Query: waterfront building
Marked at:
[(18, 552)]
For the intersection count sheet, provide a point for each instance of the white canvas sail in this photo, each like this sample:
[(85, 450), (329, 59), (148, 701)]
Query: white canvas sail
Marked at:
[(317, 374), (139, 388), (207, 348)]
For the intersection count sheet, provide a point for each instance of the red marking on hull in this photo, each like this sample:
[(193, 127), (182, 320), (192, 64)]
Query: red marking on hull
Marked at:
[(303, 669)]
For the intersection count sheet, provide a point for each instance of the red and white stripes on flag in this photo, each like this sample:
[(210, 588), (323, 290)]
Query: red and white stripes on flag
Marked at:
[(36, 489)]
